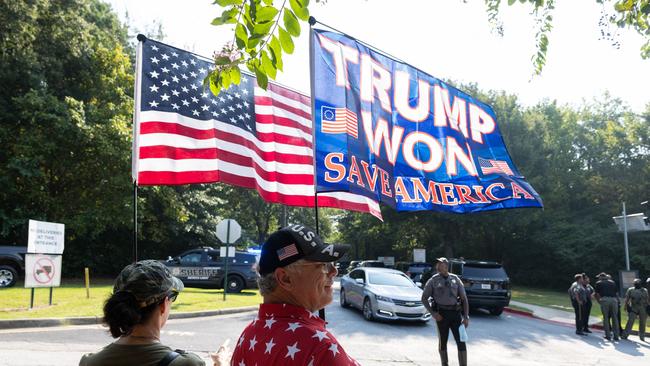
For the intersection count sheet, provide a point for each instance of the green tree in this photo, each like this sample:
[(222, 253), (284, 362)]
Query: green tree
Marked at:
[(263, 33), (65, 112)]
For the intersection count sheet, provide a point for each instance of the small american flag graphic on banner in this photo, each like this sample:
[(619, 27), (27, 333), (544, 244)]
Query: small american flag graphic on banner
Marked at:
[(286, 252), (489, 166), (339, 120)]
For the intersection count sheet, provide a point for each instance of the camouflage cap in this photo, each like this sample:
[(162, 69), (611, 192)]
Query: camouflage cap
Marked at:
[(149, 281)]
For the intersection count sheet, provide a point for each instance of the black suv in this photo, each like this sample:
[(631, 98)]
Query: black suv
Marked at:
[(486, 283), (12, 264), (204, 268)]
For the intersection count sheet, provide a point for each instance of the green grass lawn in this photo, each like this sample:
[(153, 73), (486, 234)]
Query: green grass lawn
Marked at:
[(70, 300), (558, 300)]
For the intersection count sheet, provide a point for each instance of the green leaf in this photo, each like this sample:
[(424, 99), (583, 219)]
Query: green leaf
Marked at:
[(286, 41), (225, 78), (262, 79), (276, 52), (235, 75), (225, 3), (215, 81), (251, 65), (262, 29), (254, 41), (241, 36), (300, 10), (266, 14), (268, 2), (510, 2), (227, 17), (268, 66), (291, 23), (218, 21), (222, 60)]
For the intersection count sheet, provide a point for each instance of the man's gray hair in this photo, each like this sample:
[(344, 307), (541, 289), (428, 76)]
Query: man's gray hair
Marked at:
[(267, 283)]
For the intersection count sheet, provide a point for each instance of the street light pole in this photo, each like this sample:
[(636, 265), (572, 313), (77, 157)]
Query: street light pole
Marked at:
[(627, 251)]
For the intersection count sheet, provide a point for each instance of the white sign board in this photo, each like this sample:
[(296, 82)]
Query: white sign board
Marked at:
[(45, 237), (231, 252), (388, 261), (420, 255), (228, 231), (42, 270), (635, 222)]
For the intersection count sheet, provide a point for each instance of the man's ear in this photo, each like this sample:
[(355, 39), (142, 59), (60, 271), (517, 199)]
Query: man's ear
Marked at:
[(283, 278)]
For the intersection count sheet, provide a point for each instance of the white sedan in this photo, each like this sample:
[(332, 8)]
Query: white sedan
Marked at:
[(383, 293)]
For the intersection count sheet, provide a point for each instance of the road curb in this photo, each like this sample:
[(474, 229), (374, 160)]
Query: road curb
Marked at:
[(89, 320), (532, 315)]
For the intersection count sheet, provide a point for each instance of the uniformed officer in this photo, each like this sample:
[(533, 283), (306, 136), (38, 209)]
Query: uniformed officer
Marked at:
[(636, 301), (578, 296), (606, 294), (444, 296)]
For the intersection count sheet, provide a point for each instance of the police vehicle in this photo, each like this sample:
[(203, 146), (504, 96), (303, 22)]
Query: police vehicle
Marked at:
[(205, 268)]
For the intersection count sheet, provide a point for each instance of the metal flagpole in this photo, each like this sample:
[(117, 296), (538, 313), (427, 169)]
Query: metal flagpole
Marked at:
[(321, 312), (136, 133), (135, 221), (312, 21), (284, 216), (627, 251)]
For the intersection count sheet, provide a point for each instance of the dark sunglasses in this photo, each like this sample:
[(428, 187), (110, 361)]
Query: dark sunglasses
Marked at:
[(172, 296)]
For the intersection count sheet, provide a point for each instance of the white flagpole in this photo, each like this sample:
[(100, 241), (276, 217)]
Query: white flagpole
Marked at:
[(137, 92), (135, 156)]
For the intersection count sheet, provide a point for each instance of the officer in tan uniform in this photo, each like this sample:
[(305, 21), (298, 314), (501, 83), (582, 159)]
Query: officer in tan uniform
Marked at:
[(444, 296), (636, 301)]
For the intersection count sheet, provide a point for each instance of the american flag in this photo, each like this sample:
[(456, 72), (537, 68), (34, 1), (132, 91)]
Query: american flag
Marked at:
[(339, 120), (245, 136), (489, 166), (286, 252)]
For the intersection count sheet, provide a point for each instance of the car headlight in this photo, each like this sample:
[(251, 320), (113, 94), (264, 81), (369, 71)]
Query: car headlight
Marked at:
[(382, 298)]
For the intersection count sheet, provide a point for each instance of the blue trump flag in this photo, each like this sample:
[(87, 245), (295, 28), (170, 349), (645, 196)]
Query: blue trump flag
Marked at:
[(393, 133)]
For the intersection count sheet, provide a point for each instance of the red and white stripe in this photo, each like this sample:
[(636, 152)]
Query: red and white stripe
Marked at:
[(173, 149)]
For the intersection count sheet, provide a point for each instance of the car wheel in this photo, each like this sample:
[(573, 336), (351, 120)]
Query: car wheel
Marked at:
[(343, 300), (496, 312), (8, 276), (367, 310), (235, 284)]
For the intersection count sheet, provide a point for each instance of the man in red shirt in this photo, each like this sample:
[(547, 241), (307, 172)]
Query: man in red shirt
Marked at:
[(296, 276)]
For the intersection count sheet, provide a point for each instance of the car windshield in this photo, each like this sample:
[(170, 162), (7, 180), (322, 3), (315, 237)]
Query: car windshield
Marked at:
[(484, 272), (389, 279)]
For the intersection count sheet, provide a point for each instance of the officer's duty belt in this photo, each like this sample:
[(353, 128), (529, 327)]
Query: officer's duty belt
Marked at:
[(449, 307)]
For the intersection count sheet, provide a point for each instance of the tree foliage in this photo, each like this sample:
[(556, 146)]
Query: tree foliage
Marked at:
[(263, 33)]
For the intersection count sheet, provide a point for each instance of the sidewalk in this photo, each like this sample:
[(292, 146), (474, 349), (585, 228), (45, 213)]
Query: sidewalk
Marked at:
[(556, 315)]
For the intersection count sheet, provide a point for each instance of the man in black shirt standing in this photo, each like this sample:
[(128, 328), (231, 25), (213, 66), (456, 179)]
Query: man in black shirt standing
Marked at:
[(606, 293)]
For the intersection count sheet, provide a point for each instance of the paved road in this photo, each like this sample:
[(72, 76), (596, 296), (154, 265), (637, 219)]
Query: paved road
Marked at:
[(504, 341)]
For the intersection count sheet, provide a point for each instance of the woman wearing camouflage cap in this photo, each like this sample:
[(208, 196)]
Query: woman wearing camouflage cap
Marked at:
[(135, 313)]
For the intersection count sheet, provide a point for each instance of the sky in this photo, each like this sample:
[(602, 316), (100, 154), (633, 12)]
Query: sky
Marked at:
[(448, 39)]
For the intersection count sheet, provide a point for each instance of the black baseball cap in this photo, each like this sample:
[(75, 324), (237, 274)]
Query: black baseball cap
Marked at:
[(295, 242)]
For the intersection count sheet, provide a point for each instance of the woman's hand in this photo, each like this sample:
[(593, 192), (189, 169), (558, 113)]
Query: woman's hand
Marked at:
[(223, 355)]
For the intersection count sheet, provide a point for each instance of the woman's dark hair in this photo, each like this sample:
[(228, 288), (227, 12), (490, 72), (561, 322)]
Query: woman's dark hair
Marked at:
[(121, 313)]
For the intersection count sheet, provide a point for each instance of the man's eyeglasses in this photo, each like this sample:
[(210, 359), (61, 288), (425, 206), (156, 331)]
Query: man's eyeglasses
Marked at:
[(325, 267)]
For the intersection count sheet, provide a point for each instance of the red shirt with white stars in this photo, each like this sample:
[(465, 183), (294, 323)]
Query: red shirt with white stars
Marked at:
[(288, 335)]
